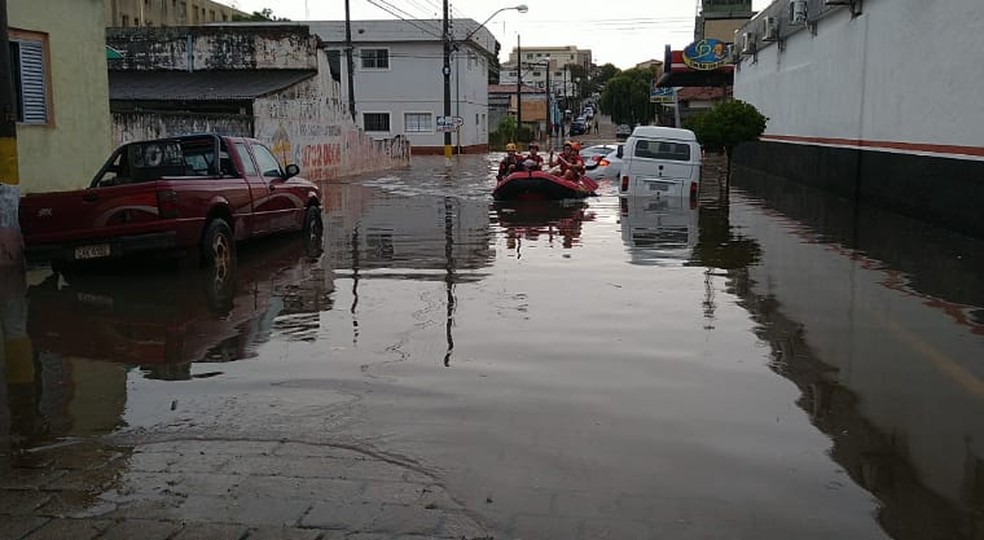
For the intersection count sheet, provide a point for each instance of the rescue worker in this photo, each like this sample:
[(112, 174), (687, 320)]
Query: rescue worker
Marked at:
[(511, 163)]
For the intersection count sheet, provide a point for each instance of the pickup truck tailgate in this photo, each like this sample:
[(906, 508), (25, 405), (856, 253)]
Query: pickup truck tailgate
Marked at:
[(90, 214)]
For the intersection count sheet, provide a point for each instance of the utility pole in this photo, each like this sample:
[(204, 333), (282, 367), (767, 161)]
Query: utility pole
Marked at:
[(349, 62), (519, 88), (549, 112), (446, 70), (11, 253)]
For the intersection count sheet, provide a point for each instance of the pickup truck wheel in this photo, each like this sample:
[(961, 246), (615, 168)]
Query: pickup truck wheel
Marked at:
[(218, 249), (313, 229)]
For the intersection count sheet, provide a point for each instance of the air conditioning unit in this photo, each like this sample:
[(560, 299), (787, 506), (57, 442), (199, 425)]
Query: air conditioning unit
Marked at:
[(797, 12), (771, 32), (748, 43)]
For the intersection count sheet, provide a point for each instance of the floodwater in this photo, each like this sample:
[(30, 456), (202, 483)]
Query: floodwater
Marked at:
[(772, 363)]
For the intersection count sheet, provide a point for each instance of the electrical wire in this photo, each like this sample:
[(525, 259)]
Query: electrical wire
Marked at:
[(402, 15)]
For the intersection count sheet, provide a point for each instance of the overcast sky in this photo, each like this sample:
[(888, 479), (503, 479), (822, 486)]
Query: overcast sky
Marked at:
[(623, 32)]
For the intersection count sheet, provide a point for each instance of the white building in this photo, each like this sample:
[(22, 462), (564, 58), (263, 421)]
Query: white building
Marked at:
[(398, 81), (536, 73)]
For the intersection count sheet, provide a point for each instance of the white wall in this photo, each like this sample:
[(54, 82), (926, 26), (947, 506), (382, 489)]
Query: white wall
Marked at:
[(893, 73), (414, 82), (309, 125)]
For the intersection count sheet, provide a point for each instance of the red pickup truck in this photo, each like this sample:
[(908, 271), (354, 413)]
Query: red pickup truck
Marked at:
[(189, 193)]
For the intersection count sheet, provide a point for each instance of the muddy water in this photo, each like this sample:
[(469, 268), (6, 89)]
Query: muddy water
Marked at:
[(773, 364)]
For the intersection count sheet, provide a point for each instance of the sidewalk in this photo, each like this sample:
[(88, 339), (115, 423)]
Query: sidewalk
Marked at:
[(225, 490)]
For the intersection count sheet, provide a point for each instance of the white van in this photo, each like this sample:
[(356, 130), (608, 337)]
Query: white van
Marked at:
[(660, 161)]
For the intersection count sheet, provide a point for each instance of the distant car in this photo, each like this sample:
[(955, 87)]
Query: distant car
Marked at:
[(588, 112), (607, 168), (623, 131), (590, 153), (579, 128)]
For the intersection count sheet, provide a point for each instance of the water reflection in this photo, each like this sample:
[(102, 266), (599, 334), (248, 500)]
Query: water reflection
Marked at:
[(659, 230), (554, 220), (165, 321), (874, 317)]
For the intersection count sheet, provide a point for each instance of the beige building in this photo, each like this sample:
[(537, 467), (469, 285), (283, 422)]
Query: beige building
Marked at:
[(719, 19), (126, 13), (561, 56), (63, 128)]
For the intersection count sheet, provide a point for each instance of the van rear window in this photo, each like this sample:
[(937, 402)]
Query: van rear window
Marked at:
[(662, 150)]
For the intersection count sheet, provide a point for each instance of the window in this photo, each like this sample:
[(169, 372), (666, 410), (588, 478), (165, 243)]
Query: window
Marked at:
[(536, 74), (268, 164), (662, 150), (374, 58), (28, 62), (124, 21), (376, 121), (414, 123), (558, 73), (247, 161), (476, 119), (529, 56)]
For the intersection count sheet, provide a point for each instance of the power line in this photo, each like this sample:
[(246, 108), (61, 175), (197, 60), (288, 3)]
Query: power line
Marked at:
[(396, 12)]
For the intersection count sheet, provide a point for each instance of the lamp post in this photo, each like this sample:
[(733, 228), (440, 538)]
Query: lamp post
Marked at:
[(446, 70)]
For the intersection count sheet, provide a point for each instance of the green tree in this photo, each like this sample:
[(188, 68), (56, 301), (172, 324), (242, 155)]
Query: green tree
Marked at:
[(726, 125), (626, 96), (507, 129), (606, 72)]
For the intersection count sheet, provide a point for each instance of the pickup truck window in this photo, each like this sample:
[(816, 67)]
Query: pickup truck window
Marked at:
[(246, 159), (268, 164)]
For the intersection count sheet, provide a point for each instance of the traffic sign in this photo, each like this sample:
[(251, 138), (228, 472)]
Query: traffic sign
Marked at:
[(449, 121)]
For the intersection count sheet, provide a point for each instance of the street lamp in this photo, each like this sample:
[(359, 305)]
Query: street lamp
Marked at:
[(522, 8), (446, 69)]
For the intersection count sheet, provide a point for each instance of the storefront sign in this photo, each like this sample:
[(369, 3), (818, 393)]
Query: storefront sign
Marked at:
[(706, 54)]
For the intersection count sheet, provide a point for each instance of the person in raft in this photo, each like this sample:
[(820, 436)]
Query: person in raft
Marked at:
[(533, 160), (568, 164), (511, 163)]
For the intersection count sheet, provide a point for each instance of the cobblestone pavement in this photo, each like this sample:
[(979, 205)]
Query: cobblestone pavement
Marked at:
[(225, 490)]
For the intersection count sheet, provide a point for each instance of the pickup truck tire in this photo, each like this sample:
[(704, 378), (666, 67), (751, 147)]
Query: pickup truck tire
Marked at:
[(313, 229), (218, 248)]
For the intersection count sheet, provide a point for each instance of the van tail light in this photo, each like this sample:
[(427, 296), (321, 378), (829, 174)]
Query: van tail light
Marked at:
[(623, 205), (693, 191), (167, 203), (625, 183)]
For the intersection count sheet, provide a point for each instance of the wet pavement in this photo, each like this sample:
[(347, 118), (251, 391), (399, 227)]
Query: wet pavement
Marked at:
[(772, 363)]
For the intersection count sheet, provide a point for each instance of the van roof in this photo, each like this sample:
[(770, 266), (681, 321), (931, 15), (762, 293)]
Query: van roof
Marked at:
[(662, 132)]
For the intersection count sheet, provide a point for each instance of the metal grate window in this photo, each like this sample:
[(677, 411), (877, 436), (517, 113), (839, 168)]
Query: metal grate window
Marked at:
[(418, 122), (376, 121), (30, 81), (374, 58)]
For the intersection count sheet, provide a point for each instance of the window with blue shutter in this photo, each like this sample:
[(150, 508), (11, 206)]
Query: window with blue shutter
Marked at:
[(30, 81)]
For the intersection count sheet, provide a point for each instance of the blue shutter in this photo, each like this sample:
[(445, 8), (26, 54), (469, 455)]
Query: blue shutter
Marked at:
[(34, 91)]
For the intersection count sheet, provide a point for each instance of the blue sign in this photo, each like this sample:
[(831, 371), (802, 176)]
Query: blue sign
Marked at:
[(706, 54), (661, 95)]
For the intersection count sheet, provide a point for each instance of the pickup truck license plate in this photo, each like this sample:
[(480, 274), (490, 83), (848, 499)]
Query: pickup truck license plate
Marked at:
[(92, 252)]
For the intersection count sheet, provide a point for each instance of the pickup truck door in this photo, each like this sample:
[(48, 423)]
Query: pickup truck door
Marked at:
[(259, 188), (283, 205)]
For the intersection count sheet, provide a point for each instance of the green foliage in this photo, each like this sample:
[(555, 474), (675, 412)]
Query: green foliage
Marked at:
[(606, 72), (727, 124), (626, 96), (507, 129)]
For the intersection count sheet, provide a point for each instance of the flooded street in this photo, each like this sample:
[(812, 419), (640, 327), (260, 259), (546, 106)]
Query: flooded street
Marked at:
[(772, 363)]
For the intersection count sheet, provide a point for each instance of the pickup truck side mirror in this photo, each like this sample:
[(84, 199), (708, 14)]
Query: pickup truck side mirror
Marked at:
[(620, 152), (291, 171)]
